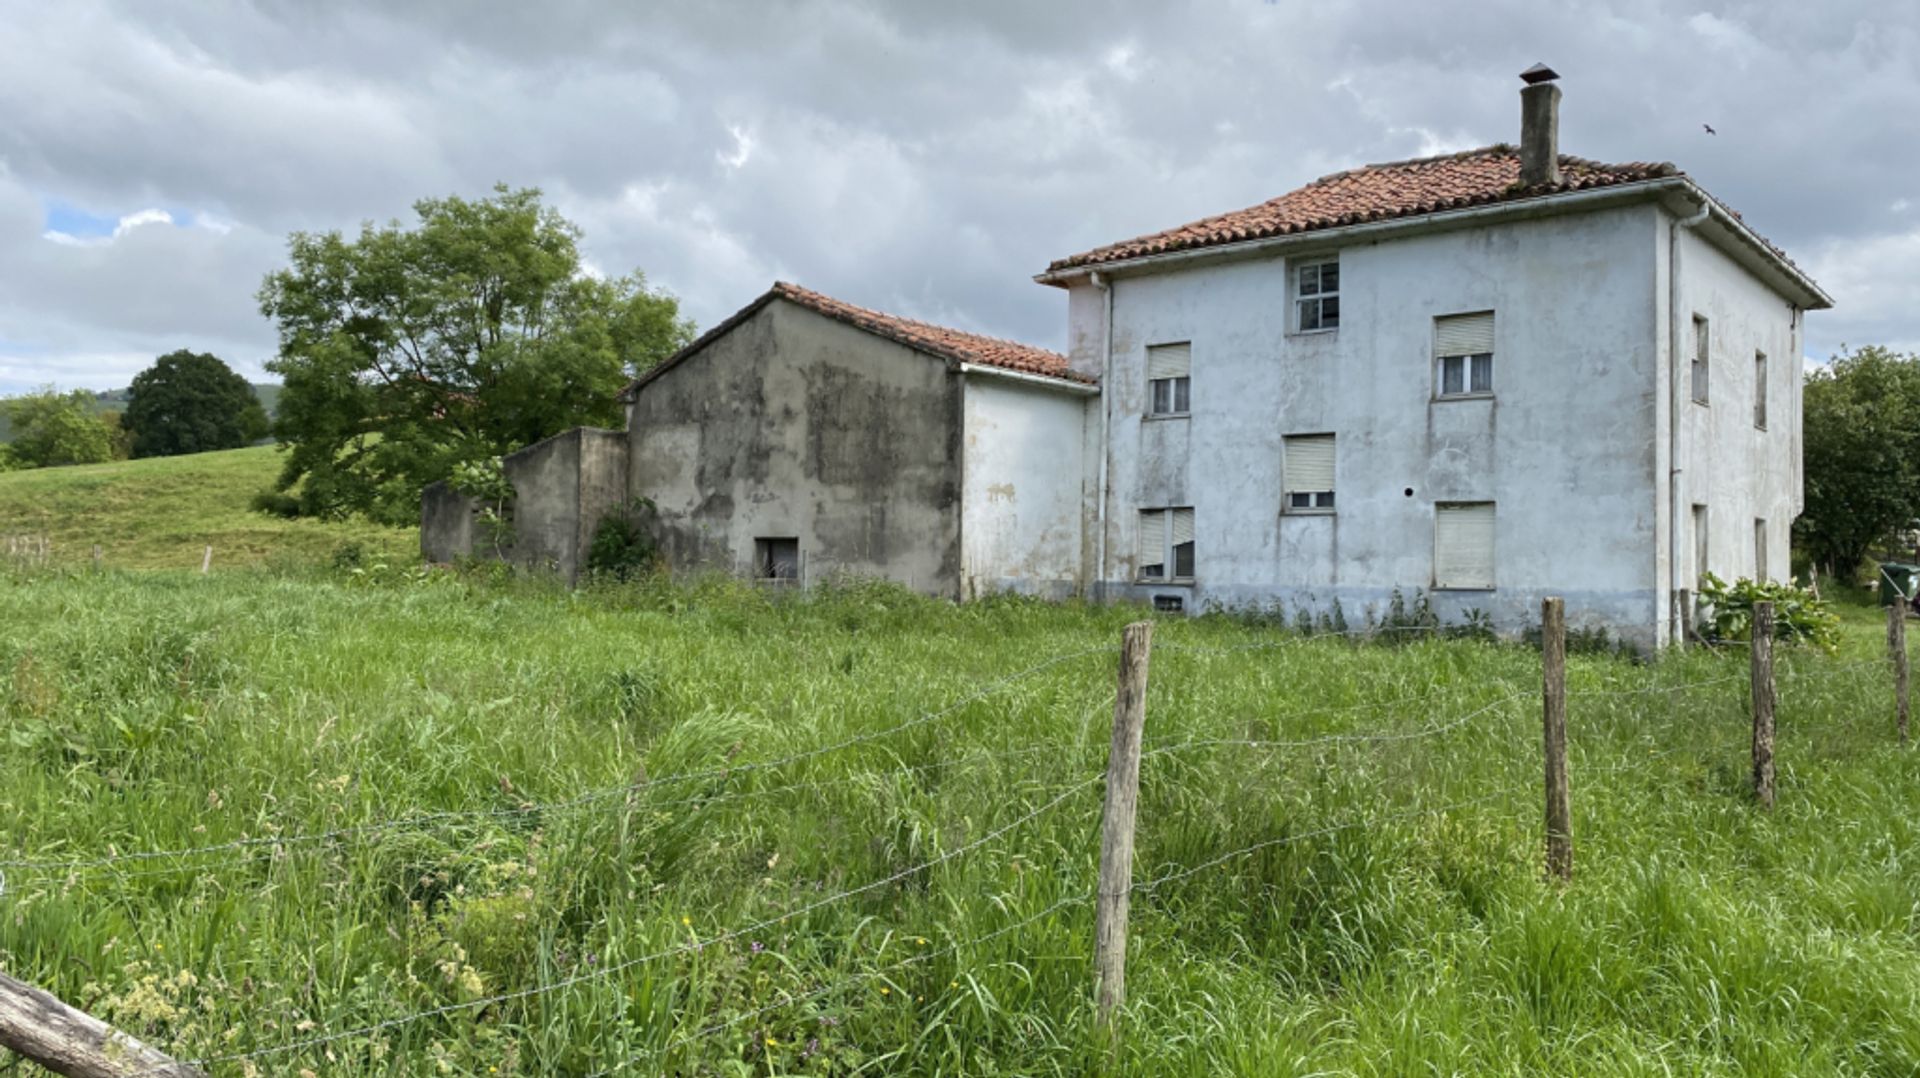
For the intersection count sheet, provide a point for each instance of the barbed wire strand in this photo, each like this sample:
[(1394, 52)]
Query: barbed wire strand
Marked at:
[(606, 793), (626, 964)]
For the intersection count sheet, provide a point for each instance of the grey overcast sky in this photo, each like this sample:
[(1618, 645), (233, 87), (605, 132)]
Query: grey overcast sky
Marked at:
[(923, 158)]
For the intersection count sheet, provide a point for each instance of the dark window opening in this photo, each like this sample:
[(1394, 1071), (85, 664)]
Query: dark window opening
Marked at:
[(1172, 604), (776, 559)]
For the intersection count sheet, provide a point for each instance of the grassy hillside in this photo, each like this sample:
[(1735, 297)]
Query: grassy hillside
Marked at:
[(452, 826), (162, 512), (115, 400)]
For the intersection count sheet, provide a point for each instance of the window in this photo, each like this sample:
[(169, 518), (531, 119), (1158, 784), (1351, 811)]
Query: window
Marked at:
[(1172, 604), (1316, 295), (776, 559), (1701, 346), (1307, 468), (1463, 546), (1169, 379), (1166, 542), (1699, 544), (1760, 551), (1463, 351), (1760, 390)]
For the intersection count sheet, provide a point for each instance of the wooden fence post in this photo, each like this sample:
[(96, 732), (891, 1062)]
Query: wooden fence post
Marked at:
[(1553, 694), (65, 1041), (1116, 823), (96, 557), (1762, 693), (1897, 647), (1686, 618), (206, 560)]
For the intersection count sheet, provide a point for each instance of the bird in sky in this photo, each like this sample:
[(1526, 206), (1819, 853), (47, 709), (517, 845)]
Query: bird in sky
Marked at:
[(1710, 129)]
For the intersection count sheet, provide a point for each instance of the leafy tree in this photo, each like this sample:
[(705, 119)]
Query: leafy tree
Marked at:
[(407, 351), (1861, 420), (190, 402), (51, 428)]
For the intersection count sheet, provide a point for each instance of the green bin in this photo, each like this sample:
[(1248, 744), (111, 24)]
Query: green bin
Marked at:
[(1900, 575)]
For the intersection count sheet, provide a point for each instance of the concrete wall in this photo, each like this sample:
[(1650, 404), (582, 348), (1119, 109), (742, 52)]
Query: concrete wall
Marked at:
[(446, 523), (563, 486), (795, 425), (1021, 526), (1740, 472), (1565, 446)]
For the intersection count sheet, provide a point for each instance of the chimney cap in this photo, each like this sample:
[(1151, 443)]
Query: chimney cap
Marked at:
[(1538, 73)]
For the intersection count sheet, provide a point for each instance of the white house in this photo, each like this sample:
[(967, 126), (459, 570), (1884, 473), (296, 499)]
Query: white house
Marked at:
[(1493, 376)]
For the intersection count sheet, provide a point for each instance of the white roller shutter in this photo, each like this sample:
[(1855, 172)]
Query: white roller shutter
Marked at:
[(1153, 537), (1169, 361), (1182, 526), (1463, 546), (1309, 463), (1464, 334)]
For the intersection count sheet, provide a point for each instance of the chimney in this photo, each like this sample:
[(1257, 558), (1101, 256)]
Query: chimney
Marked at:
[(1539, 127)]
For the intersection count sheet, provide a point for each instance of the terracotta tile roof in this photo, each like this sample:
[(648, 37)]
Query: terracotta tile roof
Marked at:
[(953, 344), (1377, 193), (938, 341)]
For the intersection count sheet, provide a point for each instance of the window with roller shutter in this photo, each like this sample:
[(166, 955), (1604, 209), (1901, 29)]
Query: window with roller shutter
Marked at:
[(1463, 546), (1307, 470), (1166, 545), (1169, 379), (1463, 355)]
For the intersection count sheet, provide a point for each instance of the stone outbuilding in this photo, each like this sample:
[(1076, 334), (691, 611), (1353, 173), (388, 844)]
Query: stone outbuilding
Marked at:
[(804, 437)]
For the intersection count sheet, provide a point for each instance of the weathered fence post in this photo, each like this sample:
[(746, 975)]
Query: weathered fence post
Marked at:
[(1553, 695), (206, 560), (1762, 656), (1116, 823), (96, 557), (1686, 618), (65, 1041), (1897, 648)]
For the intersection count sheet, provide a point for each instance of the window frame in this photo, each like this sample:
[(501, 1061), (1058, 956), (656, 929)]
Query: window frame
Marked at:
[(1759, 390), (1467, 362), (1177, 386), (1297, 296), (1700, 365), (766, 562), (1324, 503), (1169, 553), (1701, 520)]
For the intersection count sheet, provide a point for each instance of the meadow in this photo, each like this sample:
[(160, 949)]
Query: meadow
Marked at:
[(295, 820), (318, 812), (162, 513)]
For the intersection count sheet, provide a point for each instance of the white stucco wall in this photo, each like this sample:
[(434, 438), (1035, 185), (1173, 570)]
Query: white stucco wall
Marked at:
[(1566, 447), (1740, 472), (1021, 524)]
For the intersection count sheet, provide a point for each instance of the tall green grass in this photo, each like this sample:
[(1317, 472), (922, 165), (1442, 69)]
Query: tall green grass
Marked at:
[(797, 829)]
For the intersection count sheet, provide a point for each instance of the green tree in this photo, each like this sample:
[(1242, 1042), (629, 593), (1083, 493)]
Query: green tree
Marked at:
[(407, 351), (1861, 425), (191, 402), (51, 429)]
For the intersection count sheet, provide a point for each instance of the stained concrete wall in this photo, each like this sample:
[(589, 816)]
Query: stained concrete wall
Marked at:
[(1739, 471), (1022, 528), (1565, 446), (446, 523), (563, 486), (795, 425)]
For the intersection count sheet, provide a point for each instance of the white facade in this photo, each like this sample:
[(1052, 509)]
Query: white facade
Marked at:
[(1020, 504), (1574, 444)]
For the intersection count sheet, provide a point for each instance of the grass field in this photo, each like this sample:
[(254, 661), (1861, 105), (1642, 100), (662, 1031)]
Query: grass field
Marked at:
[(468, 826), (163, 512)]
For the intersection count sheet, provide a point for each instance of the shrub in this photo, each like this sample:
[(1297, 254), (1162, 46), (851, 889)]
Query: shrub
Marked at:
[(621, 548), (275, 503), (1798, 615)]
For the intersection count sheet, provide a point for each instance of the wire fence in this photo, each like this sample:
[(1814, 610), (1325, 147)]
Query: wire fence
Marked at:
[(1490, 708)]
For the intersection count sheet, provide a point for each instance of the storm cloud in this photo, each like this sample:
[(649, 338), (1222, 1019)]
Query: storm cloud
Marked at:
[(922, 158)]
